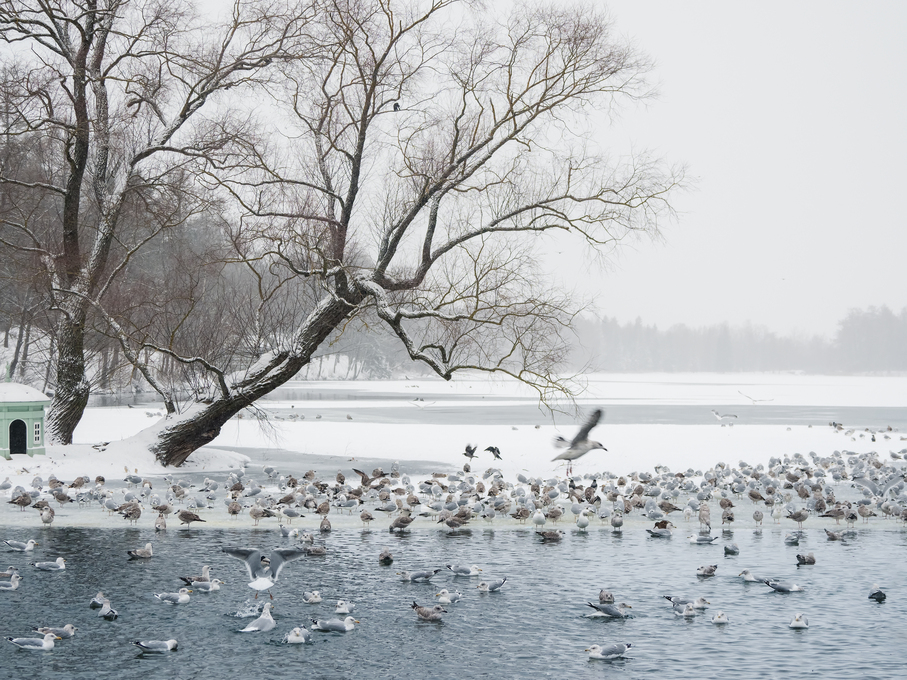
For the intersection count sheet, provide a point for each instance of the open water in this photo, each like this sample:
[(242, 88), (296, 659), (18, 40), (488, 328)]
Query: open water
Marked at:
[(535, 627)]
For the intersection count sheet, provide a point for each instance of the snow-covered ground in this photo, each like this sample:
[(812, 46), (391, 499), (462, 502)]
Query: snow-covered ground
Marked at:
[(339, 442)]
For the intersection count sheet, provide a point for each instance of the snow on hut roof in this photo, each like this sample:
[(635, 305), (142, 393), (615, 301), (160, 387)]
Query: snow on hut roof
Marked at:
[(19, 392)]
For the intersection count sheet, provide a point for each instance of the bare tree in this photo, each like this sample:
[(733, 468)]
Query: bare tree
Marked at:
[(420, 157), (122, 100)]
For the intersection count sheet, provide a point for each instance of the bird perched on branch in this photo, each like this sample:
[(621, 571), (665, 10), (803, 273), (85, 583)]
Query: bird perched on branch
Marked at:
[(581, 444)]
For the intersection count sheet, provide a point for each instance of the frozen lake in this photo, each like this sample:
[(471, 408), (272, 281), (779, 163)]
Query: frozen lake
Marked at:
[(537, 625)]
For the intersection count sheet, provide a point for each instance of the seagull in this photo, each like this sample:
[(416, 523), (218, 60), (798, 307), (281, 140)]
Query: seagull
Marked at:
[(155, 646), (460, 570), (782, 586), (107, 612), (704, 540), (263, 623), (140, 553), (417, 575), (698, 603), (45, 643), (495, 451), (806, 559), (344, 607), (182, 597), (428, 613), (721, 416), (755, 401), (66, 631), (614, 651), (264, 577), (581, 444), (366, 480), (876, 594), (193, 580), (187, 517), (685, 610), (58, 564), (707, 570), (334, 625), (492, 586), (12, 584), (799, 621), (446, 597), (720, 618), (313, 597), (208, 586), (610, 610), (298, 636), (19, 546), (470, 452)]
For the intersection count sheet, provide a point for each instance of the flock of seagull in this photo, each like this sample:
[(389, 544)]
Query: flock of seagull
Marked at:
[(796, 488)]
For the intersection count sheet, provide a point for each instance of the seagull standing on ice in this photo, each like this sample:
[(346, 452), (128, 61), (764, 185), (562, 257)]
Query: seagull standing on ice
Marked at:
[(581, 444)]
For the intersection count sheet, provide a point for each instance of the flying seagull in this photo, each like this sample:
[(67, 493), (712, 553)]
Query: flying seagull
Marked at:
[(581, 444), (264, 577)]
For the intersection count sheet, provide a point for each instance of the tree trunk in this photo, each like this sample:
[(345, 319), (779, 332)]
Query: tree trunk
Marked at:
[(50, 357), (15, 360), (25, 344), (105, 368), (201, 424), (72, 389)]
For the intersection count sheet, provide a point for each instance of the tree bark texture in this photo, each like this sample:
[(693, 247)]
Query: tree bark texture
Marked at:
[(71, 390), (176, 442)]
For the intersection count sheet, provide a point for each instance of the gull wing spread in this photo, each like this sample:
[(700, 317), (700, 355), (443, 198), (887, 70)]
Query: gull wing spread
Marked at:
[(252, 560), (584, 431)]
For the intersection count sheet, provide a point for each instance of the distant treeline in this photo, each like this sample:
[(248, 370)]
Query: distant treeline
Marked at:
[(866, 341)]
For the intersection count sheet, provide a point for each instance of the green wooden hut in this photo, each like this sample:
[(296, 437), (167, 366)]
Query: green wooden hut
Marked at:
[(21, 420)]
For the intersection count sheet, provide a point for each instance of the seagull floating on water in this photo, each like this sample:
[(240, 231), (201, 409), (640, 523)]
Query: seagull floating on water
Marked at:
[(19, 546), (799, 621), (298, 636), (263, 623), (58, 564), (876, 594), (428, 613), (334, 625), (446, 597), (181, 597), (156, 646), (607, 652), (491, 586), (46, 643)]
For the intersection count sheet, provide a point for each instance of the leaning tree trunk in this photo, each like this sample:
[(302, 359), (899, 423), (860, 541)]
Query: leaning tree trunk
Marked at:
[(71, 390), (202, 423)]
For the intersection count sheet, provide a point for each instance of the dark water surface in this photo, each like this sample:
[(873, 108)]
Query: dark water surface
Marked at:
[(535, 627)]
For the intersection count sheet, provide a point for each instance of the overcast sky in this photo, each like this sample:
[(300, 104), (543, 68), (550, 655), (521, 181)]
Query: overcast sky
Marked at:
[(791, 117)]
